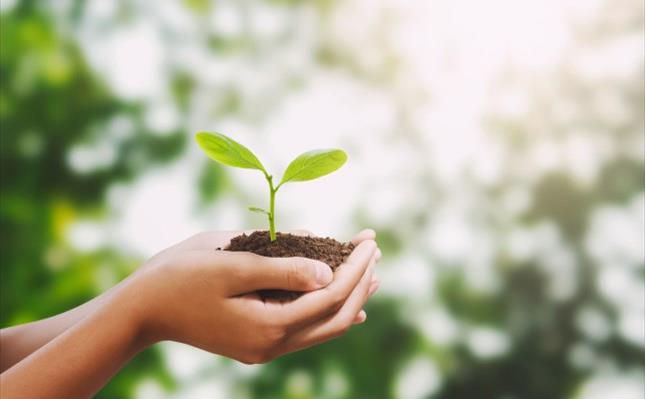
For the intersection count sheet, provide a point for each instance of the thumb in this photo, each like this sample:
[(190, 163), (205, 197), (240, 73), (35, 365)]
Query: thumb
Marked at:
[(257, 272)]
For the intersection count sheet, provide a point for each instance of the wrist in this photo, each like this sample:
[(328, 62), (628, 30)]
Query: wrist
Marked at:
[(135, 313)]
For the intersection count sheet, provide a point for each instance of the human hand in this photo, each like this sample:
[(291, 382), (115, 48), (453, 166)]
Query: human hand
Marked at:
[(221, 239), (196, 295), (193, 294)]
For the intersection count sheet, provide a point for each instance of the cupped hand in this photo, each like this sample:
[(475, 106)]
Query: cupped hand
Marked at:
[(194, 294), (221, 239)]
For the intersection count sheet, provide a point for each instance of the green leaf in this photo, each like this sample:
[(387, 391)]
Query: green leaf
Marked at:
[(227, 151), (258, 210), (314, 164)]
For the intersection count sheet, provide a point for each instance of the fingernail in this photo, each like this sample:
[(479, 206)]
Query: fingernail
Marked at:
[(324, 274)]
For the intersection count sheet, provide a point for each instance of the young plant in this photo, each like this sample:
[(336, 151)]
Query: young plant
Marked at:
[(307, 166)]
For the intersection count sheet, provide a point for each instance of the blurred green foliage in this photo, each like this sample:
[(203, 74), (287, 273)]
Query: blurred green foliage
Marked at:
[(50, 101)]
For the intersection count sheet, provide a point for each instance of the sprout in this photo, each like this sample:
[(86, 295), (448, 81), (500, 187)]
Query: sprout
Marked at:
[(307, 166)]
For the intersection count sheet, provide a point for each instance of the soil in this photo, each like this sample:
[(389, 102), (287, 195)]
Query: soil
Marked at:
[(325, 249)]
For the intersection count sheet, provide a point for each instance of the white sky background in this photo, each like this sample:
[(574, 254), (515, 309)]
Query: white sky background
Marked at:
[(452, 56)]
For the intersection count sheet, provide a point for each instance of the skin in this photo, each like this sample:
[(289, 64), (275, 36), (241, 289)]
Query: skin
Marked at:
[(192, 294)]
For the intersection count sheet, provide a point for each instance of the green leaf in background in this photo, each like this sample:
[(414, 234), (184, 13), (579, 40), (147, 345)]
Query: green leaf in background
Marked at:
[(314, 164), (228, 151)]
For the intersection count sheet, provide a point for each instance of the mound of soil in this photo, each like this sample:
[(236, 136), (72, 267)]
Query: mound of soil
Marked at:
[(324, 249)]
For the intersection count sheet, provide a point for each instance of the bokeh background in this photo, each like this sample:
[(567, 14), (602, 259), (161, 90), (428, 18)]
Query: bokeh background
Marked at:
[(496, 146)]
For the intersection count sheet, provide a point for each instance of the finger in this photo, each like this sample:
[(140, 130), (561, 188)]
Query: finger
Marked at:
[(317, 304), (336, 324), (360, 317), (246, 272), (373, 288), (374, 284), (367, 234), (206, 240)]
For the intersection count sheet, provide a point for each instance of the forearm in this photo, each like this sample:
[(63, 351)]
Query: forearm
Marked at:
[(20, 341), (82, 359)]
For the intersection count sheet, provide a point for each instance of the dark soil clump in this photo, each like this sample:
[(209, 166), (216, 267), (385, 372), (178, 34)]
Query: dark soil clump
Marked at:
[(323, 249)]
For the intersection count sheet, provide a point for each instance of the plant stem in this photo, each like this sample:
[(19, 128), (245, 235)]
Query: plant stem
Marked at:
[(272, 192)]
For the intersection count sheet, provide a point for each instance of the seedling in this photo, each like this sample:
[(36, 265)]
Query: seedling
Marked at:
[(307, 166)]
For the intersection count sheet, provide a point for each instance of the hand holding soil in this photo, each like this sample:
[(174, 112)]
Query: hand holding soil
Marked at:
[(195, 294), (211, 299)]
